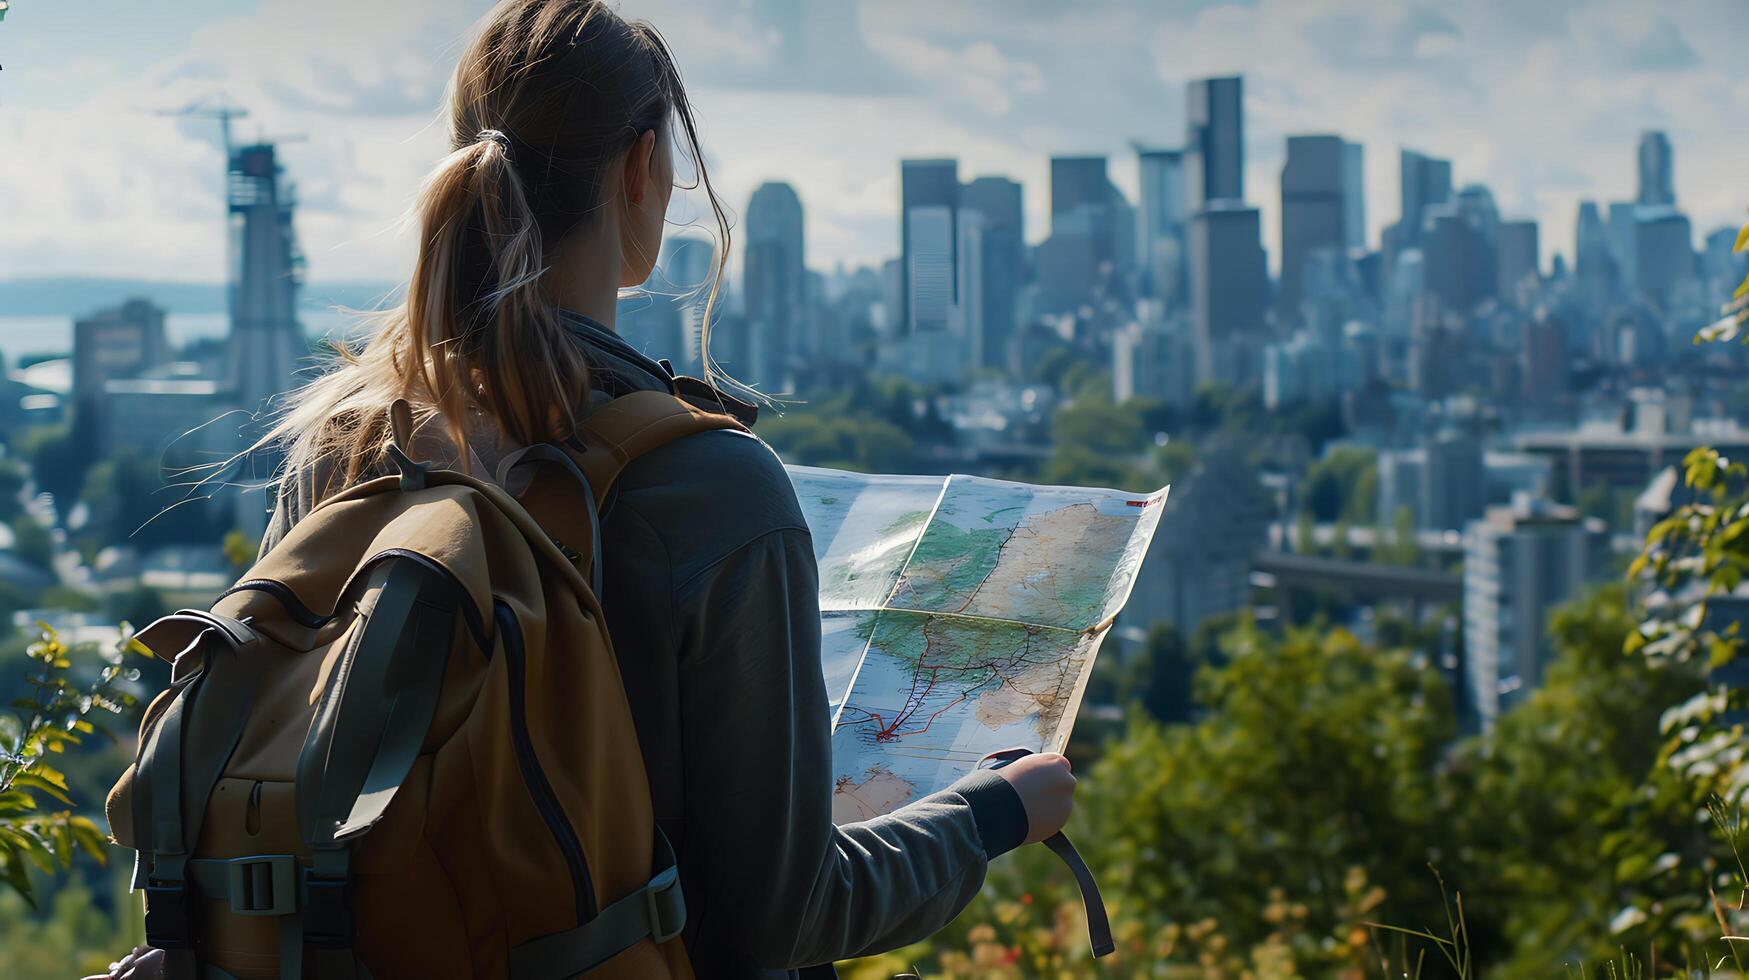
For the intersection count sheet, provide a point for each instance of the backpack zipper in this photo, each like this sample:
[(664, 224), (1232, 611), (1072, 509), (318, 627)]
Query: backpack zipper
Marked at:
[(305, 616), (545, 800)]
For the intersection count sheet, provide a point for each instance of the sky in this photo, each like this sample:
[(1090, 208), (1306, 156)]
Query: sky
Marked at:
[(1542, 100)]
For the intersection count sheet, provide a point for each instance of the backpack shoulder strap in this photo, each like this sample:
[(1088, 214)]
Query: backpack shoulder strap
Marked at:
[(634, 424)]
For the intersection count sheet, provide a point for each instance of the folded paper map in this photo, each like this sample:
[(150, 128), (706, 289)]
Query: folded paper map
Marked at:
[(959, 615)]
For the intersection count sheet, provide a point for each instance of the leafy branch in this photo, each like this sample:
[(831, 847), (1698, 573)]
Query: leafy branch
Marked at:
[(59, 712)]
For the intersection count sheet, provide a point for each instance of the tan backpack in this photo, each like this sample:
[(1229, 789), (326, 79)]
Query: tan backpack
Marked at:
[(399, 747)]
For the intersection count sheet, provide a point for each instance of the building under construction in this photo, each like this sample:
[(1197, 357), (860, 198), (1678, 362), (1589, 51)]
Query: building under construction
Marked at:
[(193, 414), (267, 344)]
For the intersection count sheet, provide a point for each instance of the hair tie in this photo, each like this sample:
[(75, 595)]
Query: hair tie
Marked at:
[(494, 135)]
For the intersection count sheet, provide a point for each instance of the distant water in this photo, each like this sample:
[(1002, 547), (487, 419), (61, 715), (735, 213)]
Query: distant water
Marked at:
[(27, 336)]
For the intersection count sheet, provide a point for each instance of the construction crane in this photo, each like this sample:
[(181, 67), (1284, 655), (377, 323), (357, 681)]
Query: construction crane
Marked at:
[(202, 109)]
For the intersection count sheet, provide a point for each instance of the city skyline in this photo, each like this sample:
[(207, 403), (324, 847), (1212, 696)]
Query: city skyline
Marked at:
[(787, 93)]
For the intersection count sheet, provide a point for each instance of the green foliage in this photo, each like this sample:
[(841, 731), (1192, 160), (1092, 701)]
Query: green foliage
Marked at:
[(59, 456), (69, 599), (1094, 441), (1065, 371), (851, 443), (1692, 561), (1399, 547), (1730, 326), (240, 551), (60, 711), (131, 502), (140, 604), (73, 937), (32, 542), (12, 481), (873, 427), (1333, 483)]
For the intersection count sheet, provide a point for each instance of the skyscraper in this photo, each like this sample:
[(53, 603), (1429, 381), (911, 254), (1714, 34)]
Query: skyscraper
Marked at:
[(1657, 173), (967, 322), (1078, 181), (935, 349), (1459, 246), (774, 283), (1228, 287), (1160, 223), (1518, 257), (1354, 195), (924, 184), (1214, 141), (930, 268), (1083, 196), (1664, 254), (688, 263), (267, 344), (1425, 182), (997, 202), (1594, 263), (1624, 237), (1313, 211)]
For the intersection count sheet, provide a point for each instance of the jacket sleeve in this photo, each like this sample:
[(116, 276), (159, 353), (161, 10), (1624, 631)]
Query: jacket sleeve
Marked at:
[(796, 889)]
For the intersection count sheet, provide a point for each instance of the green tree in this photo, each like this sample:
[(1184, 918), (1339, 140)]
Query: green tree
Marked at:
[(1305, 534), (1096, 441), (131, 502), (140, 604), (71, 938), (844, 442), (32, 542), (60, 710), (59, 456), (12, 480), (1333, 483), (1399, 547)]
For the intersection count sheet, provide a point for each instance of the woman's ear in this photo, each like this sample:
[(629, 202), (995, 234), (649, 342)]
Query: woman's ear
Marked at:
[(639, 159)]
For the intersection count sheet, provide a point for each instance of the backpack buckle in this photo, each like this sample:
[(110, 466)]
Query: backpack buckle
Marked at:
[(328, 918), (167, 914), (666, 904), (263, 884)]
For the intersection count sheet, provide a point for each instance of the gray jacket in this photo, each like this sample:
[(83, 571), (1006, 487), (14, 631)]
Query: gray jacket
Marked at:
[(712, 599)]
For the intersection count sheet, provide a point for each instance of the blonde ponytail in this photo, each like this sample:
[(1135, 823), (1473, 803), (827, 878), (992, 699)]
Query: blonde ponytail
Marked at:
[(547, 96)]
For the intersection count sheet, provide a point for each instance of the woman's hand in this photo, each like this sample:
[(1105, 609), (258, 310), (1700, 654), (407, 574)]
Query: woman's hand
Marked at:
[(143, 963), (1047, 791)]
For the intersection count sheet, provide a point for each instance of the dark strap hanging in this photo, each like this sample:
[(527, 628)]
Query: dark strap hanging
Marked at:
[(1098, 924)]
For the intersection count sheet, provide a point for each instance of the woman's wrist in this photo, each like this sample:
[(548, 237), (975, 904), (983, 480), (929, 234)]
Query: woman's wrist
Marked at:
[(997, 810)]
